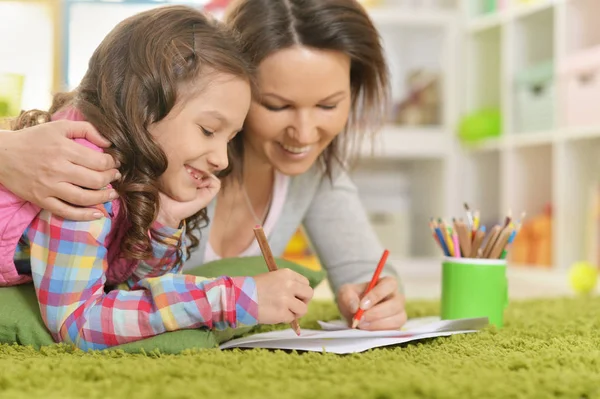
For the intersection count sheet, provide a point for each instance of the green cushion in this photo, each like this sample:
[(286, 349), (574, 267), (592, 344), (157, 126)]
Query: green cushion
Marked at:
[(21, 322)]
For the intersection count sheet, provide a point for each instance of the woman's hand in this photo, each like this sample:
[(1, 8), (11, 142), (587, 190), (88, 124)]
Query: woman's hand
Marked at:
[(43, 165), (172, 212), (383, 306)]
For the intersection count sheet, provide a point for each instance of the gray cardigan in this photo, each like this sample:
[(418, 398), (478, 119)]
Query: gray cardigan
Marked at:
[(335, 222)]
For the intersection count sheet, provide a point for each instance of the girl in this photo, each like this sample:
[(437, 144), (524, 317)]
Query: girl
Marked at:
[(323, 83), (168, 89)]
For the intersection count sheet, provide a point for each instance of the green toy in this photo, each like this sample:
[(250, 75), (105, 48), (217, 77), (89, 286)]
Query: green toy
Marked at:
[(480, 125)]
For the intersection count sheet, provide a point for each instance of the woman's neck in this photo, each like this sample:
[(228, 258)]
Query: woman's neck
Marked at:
[(255, 168)]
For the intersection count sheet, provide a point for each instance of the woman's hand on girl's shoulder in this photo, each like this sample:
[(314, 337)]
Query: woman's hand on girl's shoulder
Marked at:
[(172, 212), (43, 165)]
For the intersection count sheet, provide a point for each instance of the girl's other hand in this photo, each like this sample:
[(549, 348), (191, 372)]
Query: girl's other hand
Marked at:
[(172, 212)]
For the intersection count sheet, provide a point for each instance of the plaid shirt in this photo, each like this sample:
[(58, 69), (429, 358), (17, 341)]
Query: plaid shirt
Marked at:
[(68, 266)]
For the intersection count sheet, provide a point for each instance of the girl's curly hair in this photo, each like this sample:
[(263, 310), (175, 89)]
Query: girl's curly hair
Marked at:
[(134, 79)]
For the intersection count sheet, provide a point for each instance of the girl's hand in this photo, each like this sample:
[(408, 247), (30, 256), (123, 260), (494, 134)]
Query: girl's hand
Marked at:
[(283, 296), (43, 165), (172, 212), (383, 306)]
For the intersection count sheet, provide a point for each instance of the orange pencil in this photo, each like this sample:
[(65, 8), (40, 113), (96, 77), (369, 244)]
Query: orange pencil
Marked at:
[(263, 243), (359, 313)]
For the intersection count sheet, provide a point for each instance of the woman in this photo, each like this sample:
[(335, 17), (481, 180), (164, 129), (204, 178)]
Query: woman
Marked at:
[(322, 84)]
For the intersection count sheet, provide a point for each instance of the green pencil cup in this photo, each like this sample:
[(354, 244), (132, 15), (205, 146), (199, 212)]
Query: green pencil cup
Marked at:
[(474, 288)]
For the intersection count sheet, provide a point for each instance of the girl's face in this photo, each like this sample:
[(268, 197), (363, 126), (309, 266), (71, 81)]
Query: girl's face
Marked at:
[(194, 135), (304, 104)]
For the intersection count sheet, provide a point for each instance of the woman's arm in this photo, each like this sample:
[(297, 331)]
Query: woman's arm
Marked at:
[(69, 262), (339, 229), (43, 165)]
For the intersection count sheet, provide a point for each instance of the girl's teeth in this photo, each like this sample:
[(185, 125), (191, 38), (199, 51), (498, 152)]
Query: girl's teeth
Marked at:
[(193, 173), (297, 150)]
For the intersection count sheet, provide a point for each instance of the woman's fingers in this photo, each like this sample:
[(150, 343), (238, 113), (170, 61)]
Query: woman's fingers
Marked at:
[(89, 158), (70, 212), (81, 197), (385, 287), (393, 322)]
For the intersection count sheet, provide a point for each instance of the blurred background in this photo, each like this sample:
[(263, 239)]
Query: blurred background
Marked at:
[(495, 103)]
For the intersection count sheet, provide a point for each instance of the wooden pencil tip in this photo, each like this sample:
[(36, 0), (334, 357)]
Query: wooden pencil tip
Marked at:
[(257, 227), (354, 324), (466, 206)]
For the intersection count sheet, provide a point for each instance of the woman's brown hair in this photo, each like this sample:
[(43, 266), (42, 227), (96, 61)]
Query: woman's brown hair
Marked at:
[(267, 26), (134, 79)]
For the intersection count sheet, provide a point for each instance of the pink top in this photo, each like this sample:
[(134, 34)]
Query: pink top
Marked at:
[(280, 189)]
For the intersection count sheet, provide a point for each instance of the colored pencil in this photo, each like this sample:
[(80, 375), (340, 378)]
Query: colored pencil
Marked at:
[(440, 235), (479, 236), (492, 237), (475, 224), (263, 243), (500, 243), (510, 240), (433, 226), (456, 244), (464, 237), (513, 235), (374, 279), (469, 216), (447, 238), (468, 239)]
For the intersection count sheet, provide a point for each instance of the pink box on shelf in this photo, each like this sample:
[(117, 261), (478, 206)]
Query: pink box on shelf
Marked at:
[(580, 89)]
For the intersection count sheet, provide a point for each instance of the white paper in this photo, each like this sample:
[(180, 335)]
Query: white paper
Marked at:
[(337, 338), (410, 325)]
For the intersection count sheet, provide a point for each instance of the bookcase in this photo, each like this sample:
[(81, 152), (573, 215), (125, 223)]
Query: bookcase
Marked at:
[(538, 63)]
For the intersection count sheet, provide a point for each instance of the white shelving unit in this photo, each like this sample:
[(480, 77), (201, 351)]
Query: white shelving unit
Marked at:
[(407, 173), (523, 171)]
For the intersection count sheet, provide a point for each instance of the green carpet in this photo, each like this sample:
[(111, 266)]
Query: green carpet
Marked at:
[(547, 349)]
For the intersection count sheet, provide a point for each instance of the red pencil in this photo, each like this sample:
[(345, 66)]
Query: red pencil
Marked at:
[(359, 313)]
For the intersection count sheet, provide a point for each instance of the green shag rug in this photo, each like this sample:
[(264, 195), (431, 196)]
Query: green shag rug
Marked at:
[(548, 348)]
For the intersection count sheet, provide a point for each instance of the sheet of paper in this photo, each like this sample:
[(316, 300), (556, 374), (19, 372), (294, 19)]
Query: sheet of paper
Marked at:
[(349, 341), (411, 324), (421, 324), (338, 346)]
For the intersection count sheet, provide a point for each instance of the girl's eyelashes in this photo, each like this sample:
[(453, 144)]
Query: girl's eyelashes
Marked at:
[(207, 132), (328, 107)]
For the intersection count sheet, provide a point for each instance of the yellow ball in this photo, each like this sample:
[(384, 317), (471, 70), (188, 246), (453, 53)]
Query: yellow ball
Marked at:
[(583, 277)]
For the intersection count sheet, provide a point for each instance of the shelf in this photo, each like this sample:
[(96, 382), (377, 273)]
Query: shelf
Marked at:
[(395, 142), (532, 139), (411, 18), (528, 139), (581, 25), (579, 133), (493, 144), (486, 22), (525, 10), (497, 19)]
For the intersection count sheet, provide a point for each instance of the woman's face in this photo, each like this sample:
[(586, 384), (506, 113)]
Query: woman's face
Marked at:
[(303, 104)]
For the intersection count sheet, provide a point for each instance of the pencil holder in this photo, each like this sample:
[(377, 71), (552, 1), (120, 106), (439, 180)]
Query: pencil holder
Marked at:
[(474, 288)]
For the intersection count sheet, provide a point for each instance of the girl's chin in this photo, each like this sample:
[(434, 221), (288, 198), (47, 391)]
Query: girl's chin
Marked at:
[(182, 194)]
